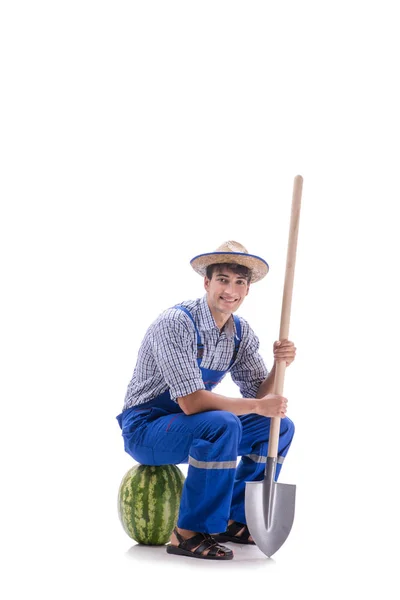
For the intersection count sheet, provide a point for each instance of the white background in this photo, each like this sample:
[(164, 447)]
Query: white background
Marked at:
[(134, 136)]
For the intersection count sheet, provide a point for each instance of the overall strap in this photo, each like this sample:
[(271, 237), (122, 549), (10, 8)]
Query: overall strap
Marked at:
[(200, 346), (238, 338)]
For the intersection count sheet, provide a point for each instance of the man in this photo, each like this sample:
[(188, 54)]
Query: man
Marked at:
[(172, 416)]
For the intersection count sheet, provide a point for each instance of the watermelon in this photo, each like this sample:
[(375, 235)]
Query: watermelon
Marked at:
[(148, 502)]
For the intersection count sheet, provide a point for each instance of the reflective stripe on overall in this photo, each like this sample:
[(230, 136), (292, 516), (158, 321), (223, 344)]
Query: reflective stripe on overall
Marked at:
[(158, 432)]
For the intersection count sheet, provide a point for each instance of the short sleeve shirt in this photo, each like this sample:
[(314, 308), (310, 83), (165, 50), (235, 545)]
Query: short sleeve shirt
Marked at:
[(167, 358)]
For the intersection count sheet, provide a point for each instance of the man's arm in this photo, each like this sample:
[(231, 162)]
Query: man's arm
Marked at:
[(203, 400), (267, 386), (283, 351), (266, 403)]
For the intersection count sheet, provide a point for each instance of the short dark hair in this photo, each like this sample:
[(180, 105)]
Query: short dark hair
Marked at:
[(238, 269)]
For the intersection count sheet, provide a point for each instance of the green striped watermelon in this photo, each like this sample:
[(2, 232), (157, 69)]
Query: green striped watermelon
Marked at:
[(148, 502)]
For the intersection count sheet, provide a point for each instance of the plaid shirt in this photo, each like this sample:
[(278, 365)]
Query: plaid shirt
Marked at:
[(167, 357)]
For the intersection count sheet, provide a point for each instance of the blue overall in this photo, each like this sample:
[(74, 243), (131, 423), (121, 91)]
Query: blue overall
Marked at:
[(159, 433)]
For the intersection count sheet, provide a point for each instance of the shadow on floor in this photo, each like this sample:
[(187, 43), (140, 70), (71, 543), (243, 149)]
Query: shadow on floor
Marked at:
[(248, 556)]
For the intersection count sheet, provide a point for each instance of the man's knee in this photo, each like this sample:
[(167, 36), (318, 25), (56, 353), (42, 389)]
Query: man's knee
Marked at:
[(287, 427), (227, 419), (220, 422)]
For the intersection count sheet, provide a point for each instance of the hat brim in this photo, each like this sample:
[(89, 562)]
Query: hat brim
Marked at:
[(258, 266)]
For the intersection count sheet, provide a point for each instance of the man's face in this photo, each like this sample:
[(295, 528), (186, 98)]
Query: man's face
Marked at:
[(225, 290)]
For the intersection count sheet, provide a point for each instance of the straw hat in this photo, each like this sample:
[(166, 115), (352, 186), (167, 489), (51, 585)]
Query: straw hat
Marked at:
[(231, 252)]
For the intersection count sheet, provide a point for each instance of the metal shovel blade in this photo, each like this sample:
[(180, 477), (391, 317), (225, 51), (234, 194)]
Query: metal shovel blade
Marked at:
[(269, 508)]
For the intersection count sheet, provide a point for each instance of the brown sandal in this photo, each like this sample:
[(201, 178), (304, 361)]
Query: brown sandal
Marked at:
[(206, 541)]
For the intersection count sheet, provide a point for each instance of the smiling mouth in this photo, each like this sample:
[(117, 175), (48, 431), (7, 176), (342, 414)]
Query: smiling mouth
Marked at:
[(229, 301)]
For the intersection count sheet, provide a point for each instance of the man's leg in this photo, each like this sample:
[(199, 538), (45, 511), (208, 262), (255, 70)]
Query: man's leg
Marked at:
[(209, 442), (253, 449)]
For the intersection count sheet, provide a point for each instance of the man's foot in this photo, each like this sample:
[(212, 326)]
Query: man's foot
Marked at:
[(238, 533), (197, 545)]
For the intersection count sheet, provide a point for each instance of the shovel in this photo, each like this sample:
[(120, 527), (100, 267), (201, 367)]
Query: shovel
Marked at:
[(269, 506)]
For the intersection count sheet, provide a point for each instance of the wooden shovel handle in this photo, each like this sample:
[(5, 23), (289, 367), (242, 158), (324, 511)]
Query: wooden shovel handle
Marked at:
[(286, 306)]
